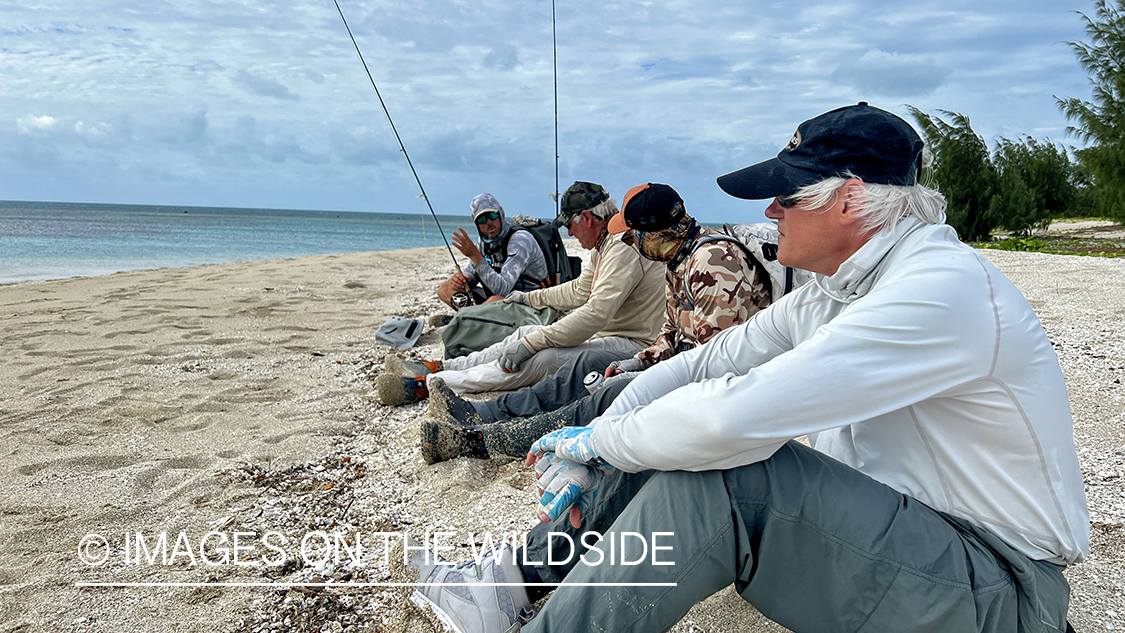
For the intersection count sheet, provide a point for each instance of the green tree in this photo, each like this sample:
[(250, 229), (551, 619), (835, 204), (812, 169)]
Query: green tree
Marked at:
[(1101, 122), (1084, 205), (1036, 181), (963, 171)]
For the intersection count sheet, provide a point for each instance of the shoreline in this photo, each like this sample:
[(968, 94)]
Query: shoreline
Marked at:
[(239, 395), (97, 275), (46, 241), (1092, 232)]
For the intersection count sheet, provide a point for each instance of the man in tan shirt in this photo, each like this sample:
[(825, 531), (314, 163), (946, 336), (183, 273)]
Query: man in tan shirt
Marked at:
[(616, 304)]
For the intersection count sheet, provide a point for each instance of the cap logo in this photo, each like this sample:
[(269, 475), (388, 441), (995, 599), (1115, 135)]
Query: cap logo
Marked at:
[(794, 142)]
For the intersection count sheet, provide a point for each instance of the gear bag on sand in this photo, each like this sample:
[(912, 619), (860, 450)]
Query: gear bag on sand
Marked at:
[(474, 328)]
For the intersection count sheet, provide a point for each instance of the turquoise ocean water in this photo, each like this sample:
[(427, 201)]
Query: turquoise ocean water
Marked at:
[(52, 240)]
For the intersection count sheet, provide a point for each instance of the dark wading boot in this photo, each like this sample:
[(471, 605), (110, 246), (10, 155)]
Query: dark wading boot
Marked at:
[(449, 407), (514, 437), (442, 441)]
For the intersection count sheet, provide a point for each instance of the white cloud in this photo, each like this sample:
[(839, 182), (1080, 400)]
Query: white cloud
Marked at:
[(32, 123), (97, 130), (254, 103), (881, 73)]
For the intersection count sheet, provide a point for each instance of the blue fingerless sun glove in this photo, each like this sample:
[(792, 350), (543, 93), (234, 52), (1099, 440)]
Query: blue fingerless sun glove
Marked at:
[(575, 443), (566, 483)]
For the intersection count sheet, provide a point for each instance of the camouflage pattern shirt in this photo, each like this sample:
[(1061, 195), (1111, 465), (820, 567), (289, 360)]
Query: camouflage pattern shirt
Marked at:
[(727, 287)]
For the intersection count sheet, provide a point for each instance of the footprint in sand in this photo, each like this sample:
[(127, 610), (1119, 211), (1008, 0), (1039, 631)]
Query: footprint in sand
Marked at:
[(173, 475), (95, 462), (196, 424)]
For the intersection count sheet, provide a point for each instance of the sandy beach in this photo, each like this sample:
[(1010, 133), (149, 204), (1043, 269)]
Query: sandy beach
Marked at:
[(239, 398)]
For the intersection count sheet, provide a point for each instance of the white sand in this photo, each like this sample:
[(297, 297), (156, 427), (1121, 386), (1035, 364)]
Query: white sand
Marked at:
[(239, 396)]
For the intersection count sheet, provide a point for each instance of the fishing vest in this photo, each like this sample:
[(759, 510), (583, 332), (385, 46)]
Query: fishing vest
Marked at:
[(496, 253)]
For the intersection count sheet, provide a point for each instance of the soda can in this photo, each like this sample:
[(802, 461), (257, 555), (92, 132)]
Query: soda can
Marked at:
[(593, 380)]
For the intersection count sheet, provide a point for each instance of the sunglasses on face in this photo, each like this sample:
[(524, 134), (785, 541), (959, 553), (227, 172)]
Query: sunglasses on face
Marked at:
[(486, 217), (629, 237), (788, 201)]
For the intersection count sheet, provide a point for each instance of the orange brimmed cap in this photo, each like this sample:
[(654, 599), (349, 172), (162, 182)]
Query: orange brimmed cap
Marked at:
[(649, 207)]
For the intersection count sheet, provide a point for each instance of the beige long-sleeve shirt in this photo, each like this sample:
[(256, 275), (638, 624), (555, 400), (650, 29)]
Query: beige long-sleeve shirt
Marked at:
[(619, 294)]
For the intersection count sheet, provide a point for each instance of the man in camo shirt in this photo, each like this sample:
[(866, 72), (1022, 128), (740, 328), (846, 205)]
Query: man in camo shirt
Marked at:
[(712, 284)]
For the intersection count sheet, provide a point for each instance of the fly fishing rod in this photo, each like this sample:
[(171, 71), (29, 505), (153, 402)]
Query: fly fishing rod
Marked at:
[(555, 73), (461, 299)]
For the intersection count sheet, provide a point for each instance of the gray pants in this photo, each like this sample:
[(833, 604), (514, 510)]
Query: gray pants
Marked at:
[(480, 371), (813, 544), (514, 437), (561, 387), (557, 401)]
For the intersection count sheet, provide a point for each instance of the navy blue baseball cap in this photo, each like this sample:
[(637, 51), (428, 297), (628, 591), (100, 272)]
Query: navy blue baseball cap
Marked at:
[(876, 146)]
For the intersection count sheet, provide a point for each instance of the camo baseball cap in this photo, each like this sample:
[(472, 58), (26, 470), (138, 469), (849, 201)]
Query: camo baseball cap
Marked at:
[(577, 198)]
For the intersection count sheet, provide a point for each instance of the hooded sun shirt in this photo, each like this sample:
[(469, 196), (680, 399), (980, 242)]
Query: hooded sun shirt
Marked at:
[(618, 294), (518, 265), (918, 363)]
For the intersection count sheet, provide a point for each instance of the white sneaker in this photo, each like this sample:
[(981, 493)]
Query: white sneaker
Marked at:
[(468, 607)]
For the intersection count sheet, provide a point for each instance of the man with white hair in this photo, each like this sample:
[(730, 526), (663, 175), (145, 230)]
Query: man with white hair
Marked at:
[(942, 491)]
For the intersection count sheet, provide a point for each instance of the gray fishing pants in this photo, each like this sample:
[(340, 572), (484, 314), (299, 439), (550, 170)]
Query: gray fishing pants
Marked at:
[(813, 544), (561, 387), (480, 371), (515, 436)]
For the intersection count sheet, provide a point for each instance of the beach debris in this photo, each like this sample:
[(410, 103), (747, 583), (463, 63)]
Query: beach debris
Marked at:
[(372, 480), (218, 523)]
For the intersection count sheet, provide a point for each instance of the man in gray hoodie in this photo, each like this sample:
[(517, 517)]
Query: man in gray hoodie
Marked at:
[(503, 258)]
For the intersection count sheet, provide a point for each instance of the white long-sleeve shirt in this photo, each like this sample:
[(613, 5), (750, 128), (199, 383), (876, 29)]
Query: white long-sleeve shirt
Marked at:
[(917, 363)]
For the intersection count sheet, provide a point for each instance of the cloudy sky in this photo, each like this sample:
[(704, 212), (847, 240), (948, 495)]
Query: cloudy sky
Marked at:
[(265, 104)]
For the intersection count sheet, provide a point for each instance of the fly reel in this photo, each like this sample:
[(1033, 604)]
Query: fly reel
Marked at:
[(460, 300)]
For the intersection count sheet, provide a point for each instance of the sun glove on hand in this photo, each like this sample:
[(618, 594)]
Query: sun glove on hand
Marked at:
[(564, 483), (513, 356), (516, 296), (622, 366), (574, 443)]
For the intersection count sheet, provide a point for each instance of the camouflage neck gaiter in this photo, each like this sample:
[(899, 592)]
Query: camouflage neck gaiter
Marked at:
[(663, 246)]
